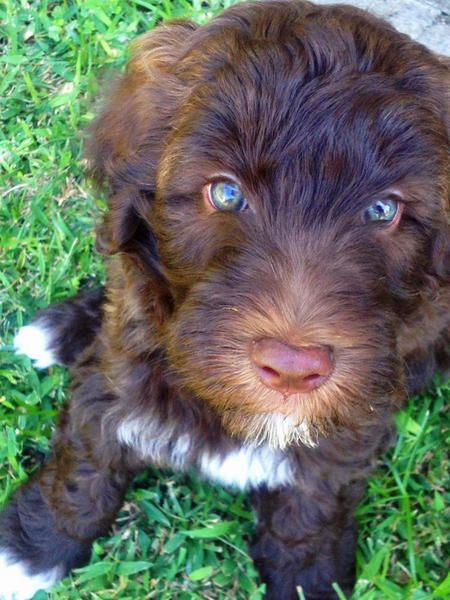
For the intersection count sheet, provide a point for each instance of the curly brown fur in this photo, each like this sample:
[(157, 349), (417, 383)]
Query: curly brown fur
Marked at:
[(316, 112)]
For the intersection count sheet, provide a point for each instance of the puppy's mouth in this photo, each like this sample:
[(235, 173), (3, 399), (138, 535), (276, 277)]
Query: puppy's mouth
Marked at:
[(283, 395), (286, 375)]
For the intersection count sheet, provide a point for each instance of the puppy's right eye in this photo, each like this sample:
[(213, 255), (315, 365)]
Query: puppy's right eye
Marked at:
[(225, 196), (387, 210)]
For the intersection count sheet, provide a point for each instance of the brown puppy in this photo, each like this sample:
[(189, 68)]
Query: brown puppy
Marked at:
[(279, 211)]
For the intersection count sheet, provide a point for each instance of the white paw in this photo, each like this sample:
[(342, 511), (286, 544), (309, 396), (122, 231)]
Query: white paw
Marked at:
[(34, 341), (16, 584)]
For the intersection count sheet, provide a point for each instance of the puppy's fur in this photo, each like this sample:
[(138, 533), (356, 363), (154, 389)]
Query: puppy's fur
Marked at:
[(316, 112)]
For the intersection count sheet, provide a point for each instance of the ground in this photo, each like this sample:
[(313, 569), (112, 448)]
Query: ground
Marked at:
[(427, 21)]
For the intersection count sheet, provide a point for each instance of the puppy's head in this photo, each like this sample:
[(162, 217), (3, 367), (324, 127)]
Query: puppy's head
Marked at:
[(282, 174)]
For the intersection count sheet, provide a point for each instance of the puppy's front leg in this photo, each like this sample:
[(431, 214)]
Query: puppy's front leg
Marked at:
[(306, 539), (49, 525)]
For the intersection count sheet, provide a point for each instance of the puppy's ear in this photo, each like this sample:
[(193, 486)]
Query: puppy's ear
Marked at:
[(126, 140)]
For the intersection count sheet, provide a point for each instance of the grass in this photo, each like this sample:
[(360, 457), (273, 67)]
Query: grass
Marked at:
[(175, 537)]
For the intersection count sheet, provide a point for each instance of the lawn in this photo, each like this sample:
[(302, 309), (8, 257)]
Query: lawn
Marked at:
[(175, 537)]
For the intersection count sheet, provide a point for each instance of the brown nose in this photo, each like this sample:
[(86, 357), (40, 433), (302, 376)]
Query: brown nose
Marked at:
[(290, 370)]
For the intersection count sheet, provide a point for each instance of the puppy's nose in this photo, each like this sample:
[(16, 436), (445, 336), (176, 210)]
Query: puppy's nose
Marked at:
[(290, 370)]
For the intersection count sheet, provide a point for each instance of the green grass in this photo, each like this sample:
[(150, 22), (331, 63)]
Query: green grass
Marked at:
[(175, 537)]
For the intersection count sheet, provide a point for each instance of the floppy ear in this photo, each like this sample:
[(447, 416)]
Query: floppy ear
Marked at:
[(126, 140)]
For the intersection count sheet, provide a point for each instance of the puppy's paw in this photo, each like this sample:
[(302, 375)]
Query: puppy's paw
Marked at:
[(17, 584), (36, 341)]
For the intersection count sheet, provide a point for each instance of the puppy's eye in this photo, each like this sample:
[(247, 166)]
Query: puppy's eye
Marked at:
[(387, 210), (225, 196)]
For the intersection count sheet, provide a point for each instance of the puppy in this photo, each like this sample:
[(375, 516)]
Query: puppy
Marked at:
[(278, 186)]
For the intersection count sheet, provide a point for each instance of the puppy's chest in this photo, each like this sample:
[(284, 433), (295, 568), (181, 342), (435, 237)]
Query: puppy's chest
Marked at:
[(247, 467), (241, 467)]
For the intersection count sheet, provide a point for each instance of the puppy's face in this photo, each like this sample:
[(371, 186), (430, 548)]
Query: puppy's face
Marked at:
[(291, 163)]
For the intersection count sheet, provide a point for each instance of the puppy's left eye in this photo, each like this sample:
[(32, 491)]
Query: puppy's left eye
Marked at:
[(225, 196), (385, 210)]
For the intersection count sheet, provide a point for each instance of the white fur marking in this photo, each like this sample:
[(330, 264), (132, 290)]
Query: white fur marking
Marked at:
[(248, 466), (158, 444), (180, 450), (34, 341), (16, 584)]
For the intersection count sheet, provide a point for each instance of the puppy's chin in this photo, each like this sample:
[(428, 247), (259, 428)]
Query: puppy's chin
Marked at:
[(274, 429), (302, 419), (349, 401)]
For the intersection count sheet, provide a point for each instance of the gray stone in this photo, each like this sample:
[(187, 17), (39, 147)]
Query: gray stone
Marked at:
[(427, 21)]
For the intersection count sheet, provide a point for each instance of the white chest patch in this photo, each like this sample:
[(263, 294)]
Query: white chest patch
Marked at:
[(16, 584), (248, 467)]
